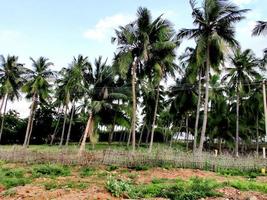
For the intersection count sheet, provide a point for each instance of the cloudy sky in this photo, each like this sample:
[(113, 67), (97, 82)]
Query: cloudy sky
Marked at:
[(61, 29)]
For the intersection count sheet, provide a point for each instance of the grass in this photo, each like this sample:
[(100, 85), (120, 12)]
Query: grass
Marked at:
[(50, 170), (193, 189), (248, 185), (252, 173), (13, 177), (87, 171), (52, 185)]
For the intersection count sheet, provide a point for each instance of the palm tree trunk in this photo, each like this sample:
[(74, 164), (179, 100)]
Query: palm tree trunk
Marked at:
[(265, 108), (86, 131), (110, 137), (2, 103), (134, 103), (141, 135), (257, 135), (220, 146), (154, 121), (197, 114), (64, 125), (237, 122), (3, 118), (31, 126), (70, 124), (29, 122), (206, 103), (56, 129), (187, 132)]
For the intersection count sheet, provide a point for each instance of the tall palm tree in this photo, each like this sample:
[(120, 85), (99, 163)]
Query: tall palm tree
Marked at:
[(160, 61), (37, 88), (240, 75), (213, 22), (77, 84), (102, 96), (11, 80), (133, 41)]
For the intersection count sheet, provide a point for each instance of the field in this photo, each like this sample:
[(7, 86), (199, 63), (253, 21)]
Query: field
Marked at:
[(21, 178)]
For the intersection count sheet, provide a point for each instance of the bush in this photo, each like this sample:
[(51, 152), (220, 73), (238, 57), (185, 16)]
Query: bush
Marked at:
[(50, 170)]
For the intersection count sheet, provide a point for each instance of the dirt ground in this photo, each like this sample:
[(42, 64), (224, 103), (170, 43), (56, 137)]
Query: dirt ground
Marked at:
[(96, 189)]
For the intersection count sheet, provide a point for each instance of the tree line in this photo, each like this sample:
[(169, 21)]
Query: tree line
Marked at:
[(217, 84)]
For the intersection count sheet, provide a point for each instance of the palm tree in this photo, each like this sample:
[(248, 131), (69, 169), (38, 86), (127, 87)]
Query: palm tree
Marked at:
[(214, 22), (37, 88), (11, 80), (102, 96), (240, 75), (161, 56), (77, 84)]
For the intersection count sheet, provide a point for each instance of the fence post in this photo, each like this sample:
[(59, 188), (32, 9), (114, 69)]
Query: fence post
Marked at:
[(264, 152)]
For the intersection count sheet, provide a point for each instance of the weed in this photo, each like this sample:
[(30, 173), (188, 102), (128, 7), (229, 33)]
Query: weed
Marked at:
[(249, 186)]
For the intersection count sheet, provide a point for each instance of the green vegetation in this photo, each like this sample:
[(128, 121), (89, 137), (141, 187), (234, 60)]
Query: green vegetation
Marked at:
[(51, 185), (240, 172), (87, 171), (13, 177), (50, 170), (193, 189)]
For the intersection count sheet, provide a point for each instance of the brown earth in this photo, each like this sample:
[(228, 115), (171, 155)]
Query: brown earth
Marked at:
[(96, 185)]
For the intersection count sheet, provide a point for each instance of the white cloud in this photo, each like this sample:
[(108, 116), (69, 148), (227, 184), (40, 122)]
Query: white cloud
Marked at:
[(105, 26)]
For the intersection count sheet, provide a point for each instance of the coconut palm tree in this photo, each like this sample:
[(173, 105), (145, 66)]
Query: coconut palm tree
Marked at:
[(79, 69), (160, 61), (37, 88), (11, 80), (239, 76), (102, 95), (214, 26)]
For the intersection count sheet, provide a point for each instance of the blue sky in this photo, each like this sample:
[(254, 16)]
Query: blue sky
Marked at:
[(61, 29)]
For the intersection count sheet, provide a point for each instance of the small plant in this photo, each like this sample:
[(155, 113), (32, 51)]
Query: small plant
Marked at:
[(140, 167), (112, 168), (118, 188), (87, 171), (50, 170)]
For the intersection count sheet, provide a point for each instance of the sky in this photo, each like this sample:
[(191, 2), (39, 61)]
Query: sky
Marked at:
[(61, 29)]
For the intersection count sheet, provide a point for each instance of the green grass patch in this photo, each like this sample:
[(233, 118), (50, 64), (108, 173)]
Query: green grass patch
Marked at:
[(52, 185), (248, 186), (87, 171), (13, 177), (193, 189), (112, 168), (252, 173), (50, 170)]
